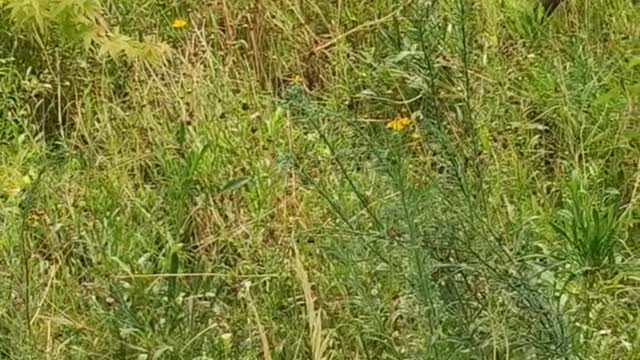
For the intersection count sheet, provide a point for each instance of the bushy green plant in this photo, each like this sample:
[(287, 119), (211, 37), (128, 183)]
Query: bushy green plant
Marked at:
[(57, 47), (589, 225), (59, 22)]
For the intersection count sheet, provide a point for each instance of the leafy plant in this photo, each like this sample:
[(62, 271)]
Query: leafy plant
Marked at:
[(76, 21), (590, 225)]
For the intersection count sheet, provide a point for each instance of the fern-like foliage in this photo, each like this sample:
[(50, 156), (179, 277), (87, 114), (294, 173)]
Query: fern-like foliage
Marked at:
[(63, 22)]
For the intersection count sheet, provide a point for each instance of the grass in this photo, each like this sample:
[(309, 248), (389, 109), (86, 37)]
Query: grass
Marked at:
[(230, 190)]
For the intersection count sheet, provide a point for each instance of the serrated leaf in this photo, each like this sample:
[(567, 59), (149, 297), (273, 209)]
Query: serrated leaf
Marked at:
[(28, 13), (115, 46)]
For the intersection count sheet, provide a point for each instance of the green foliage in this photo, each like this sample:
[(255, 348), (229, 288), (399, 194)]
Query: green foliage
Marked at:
[(76, 21), (590, 224), (73, 16), (244, 195)]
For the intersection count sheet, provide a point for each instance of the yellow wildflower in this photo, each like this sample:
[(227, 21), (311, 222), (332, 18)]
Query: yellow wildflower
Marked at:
[(399, 123), (179, 24), (416, 136)]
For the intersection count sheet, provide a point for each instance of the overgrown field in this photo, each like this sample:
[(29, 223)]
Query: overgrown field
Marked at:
[(319, 179)]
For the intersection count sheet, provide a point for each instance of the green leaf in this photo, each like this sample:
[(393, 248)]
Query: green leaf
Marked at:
[(115, 46), (28, 13), (235, 184)]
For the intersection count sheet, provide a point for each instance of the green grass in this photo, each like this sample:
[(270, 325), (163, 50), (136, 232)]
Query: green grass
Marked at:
[(231, 191)]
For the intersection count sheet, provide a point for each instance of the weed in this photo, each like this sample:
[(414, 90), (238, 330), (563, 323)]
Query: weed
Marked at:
[(306, 179)]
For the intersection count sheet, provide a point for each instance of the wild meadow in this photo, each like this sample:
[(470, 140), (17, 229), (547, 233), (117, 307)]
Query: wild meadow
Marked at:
[(319, 179)]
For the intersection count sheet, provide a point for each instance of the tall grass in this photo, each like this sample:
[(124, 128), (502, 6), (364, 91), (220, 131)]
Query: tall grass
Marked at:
[(231, 189)]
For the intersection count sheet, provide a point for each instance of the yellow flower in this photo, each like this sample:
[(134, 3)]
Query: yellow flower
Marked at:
[(399, 123), (416, 136), (179, 24)]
